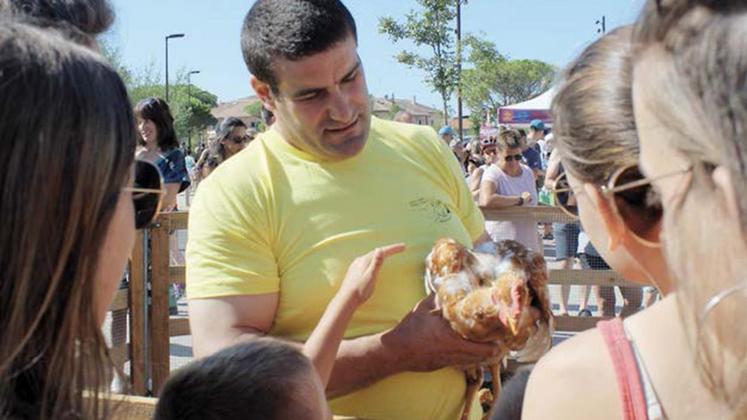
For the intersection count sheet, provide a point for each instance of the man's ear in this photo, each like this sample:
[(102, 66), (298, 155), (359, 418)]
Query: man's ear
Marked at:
[(263, 92), (616, 229)]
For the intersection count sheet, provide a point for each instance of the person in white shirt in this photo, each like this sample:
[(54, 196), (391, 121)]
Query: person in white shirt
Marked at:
[(507, 182)]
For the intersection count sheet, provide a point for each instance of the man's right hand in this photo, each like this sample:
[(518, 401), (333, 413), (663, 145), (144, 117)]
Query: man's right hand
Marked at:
[(423, 341)]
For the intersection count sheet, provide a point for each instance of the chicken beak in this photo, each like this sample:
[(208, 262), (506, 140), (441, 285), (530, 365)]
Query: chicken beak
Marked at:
[(513, 325)]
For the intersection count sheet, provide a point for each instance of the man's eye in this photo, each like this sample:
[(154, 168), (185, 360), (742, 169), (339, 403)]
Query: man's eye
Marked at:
[(351, 77), (309, 97)]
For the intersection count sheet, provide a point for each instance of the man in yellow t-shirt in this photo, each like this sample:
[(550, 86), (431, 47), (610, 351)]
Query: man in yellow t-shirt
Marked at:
[(273, 230)]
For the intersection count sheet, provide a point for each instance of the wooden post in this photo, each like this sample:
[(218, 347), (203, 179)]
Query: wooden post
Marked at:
[(137, 306), (159, 310)]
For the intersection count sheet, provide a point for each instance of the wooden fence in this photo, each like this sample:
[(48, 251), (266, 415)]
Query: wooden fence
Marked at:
[(151, 326)]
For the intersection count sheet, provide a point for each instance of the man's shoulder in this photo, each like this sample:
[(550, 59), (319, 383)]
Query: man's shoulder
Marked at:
[(403, 133), (239, 176)]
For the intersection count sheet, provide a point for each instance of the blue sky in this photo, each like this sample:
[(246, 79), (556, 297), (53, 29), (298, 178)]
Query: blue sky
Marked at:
[(550, 30)]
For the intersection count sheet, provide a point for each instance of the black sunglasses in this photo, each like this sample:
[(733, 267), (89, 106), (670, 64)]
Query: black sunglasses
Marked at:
[(239, 139), (147, 191), (517, 158)]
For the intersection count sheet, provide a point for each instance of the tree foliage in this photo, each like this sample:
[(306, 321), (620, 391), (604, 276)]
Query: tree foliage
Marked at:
[(190, 105), (494, 80), (430, 28), (254, 109)]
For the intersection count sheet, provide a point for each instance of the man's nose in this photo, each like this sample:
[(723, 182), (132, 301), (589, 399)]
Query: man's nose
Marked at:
[(340, 109)]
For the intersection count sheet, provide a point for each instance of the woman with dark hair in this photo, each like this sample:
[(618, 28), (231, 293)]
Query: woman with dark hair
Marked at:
[(69, 212), (231, 137), (80, 20), (160, 146)]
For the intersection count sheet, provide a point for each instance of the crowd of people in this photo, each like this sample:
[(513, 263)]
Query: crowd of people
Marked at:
[(306, 245)]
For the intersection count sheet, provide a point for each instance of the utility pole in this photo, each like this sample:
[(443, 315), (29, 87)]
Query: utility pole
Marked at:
[(602, 25), (459, 65)]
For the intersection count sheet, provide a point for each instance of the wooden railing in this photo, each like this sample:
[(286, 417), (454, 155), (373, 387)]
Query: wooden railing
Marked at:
[(549, 214), (151, 326)]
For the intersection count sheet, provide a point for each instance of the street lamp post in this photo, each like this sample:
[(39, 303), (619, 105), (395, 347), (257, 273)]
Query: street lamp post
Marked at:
[(168, 37), (459, 65), (189, 103)]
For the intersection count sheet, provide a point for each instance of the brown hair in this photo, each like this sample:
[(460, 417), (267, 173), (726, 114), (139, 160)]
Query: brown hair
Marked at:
[(61, 170), (592, 110), (509, 138), (223, 132), (258, 379), (594, 125), (695, 60)]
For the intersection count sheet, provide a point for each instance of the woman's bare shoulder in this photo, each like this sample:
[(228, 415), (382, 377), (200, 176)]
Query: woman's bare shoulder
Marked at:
[(574, 379)]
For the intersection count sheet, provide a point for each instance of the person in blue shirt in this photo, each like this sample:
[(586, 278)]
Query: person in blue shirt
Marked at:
[(446, 134), (531, 152)]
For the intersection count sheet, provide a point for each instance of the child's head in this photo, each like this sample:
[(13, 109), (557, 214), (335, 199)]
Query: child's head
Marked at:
[(263, 379)]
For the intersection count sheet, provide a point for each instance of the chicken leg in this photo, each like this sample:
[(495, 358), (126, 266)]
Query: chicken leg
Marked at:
[(474, 377), (495, 375)]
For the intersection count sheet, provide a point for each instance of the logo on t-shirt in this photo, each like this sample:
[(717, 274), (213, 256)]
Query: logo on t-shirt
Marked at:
[(433, 208)]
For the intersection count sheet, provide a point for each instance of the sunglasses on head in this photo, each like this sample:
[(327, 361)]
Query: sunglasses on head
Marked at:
[(147, 192), (633, 200), (517, 158)]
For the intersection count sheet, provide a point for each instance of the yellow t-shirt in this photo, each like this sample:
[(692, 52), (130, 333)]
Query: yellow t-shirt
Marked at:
[(275, 219)]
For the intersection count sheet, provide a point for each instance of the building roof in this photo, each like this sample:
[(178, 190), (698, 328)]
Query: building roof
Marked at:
[(233, 108), (236, 108), (411, 106)]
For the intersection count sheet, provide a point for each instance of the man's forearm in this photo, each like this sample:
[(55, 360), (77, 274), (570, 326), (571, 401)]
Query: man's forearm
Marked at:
[(360, 362)]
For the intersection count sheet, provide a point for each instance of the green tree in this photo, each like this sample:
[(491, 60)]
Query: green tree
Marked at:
[(190, 105), (430, 28), (254, 109), (393, 110), (494, 80), (114, 56)]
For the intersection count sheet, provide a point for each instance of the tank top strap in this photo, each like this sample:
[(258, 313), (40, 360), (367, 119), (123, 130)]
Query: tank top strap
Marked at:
[(629, 385)]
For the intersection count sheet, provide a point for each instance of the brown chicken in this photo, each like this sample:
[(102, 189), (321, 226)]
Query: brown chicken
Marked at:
[(495, 294)]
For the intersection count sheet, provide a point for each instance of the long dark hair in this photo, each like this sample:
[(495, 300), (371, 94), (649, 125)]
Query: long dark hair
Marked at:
[(79, 20), (157, 110), (225, 128), (62, 170)]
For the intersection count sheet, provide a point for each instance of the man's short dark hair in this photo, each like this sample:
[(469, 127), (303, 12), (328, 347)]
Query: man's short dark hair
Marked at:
[(291, 29), (258, 379)]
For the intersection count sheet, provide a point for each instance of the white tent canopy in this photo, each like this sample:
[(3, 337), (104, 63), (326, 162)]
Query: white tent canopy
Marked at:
[(541, 102), (537, 108)]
